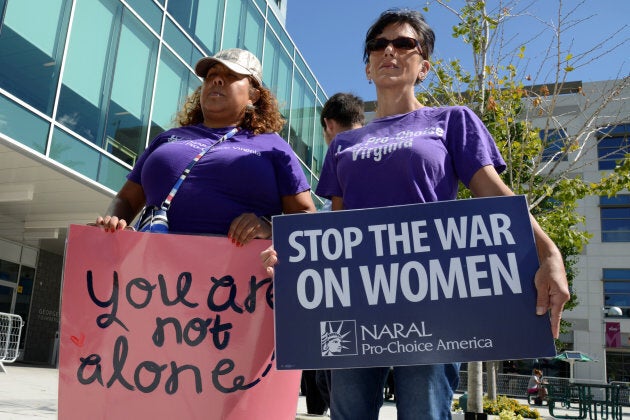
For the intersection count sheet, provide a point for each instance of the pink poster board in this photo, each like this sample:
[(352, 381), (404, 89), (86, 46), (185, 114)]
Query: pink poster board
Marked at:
[(168, 327)]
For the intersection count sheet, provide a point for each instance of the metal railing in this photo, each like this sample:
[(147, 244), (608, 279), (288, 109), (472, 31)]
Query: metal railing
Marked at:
[(513, 385), (10, 330)]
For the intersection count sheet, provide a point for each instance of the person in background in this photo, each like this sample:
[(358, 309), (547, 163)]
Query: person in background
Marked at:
[(341, 112), (534, 386), (238, 184), (430, 151)]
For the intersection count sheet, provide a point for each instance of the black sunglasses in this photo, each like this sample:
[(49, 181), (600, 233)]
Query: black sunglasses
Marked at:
[(400, 43)]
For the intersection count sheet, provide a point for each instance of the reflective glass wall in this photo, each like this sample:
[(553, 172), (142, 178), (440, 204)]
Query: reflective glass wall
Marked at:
[(88, 83)]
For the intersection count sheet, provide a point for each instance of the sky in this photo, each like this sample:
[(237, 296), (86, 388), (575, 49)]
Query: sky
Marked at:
[(329, 34)]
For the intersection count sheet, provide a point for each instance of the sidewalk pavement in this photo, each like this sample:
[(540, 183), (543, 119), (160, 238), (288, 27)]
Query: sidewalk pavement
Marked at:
[(30, 392)]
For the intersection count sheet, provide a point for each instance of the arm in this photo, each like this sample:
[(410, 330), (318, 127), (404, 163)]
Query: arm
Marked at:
[(123, 208), (551, 279), (299, 203), (337, 203), (248, 226)]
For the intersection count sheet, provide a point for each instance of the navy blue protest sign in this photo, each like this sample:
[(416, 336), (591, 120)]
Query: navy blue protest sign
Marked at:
[(450, 281)]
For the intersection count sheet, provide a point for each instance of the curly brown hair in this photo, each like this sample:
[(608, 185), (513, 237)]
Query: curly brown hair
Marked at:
[(263, 117)]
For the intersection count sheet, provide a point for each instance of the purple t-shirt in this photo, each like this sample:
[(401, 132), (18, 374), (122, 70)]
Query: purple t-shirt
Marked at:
[(408, 158), (245, 174)]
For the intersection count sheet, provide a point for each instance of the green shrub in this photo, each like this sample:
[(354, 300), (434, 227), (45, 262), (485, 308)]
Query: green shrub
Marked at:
[(506, 408)]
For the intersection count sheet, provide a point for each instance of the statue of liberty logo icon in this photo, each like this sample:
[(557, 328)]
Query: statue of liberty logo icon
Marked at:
[(333, 338)]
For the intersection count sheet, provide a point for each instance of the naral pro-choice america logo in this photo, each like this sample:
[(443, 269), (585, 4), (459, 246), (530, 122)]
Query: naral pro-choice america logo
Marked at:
[(338, 338)]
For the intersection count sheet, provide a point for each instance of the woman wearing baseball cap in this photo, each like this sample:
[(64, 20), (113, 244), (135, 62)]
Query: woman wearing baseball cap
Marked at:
[(248, 174)]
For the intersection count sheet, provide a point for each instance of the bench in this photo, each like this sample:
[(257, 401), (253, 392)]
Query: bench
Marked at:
[(595, 401)]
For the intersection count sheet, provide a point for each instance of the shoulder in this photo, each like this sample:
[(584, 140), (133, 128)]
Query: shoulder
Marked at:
[(349, 138), (177, 133), (269, 137), (267, 142), (453, 111)]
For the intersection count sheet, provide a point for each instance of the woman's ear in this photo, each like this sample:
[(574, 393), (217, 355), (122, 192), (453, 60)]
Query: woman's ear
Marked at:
[(367, 72), (254, 94), (424, 70)]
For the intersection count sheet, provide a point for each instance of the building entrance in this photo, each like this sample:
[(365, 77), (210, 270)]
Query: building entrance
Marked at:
[(16, 289), (7, 292)]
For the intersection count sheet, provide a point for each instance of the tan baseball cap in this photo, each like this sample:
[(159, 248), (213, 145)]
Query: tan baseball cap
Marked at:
[(238, 60)]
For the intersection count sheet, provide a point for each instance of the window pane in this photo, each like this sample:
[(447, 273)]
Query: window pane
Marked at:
[(615, 225), (617, 300), (615, 218), (617, 293), (262, 4), (132, 86), (277, 72), (111, 173), (149, 11), (76, 155), (19, 124), (181, 44), (619, 200), (319, 144), (302, 118), (254, 30), (248, 33), (31, 44), (9, 271), (280, 32), (613, 144), (553, 143), (616, 274), (23, 297), (201, 18), (305, 71), (615, 236), (615, 213), (84, 81), (209, 23), (174, 83), (616, 287), (619, 129)]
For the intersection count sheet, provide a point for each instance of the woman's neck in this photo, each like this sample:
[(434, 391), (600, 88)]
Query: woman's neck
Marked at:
[(220, 120), (221, 124), (393, 102)]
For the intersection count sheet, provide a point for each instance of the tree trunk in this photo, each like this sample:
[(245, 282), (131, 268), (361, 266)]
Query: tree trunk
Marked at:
[(475, 388), (491, 379)]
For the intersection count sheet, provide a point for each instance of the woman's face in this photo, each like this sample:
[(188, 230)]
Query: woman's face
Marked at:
[(224, 96), (334, 345), (396, 67)]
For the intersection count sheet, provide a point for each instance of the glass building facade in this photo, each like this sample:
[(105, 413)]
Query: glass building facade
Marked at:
[(85, 85), (88, 83)]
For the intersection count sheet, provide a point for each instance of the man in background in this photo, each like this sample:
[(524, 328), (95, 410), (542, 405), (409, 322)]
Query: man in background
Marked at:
[(341, 112)]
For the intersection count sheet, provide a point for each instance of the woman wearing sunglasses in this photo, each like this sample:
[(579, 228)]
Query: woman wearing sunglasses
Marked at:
[(414, 154)]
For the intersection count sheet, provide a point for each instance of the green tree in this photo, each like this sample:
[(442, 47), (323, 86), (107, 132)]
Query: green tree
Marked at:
[(516, 109)]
